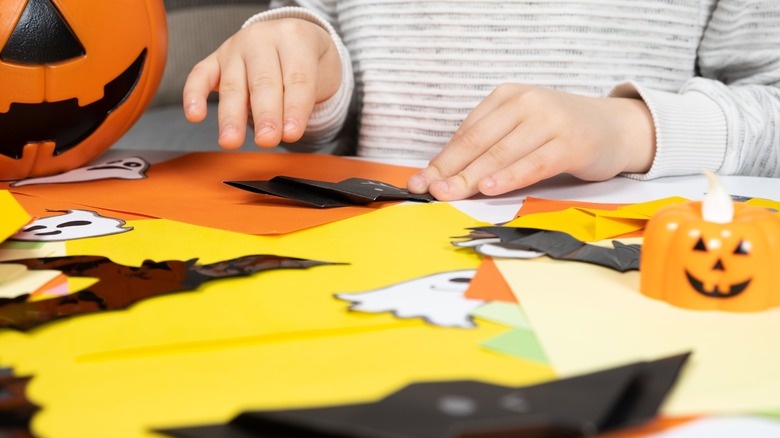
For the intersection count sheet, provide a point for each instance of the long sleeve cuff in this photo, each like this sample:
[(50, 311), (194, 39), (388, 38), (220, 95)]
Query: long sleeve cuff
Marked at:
[(328, 116), (690, 130)]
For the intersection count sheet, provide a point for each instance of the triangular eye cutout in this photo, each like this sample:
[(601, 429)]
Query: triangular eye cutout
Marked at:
[(41, 37), (700, 245), (743, 248)]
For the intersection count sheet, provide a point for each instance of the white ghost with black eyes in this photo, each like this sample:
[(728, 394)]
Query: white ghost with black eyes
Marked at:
[(438, 298), (74, 224), (124, 168)]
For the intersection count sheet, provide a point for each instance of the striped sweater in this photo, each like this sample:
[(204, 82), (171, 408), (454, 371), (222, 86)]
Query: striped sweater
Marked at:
[(709, 70)]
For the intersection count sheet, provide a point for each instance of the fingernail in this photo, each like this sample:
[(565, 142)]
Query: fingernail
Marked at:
[(227, 130), (416, 183), (190, 107), (489, 182), (442, 186), (289, 125), (265, 128)]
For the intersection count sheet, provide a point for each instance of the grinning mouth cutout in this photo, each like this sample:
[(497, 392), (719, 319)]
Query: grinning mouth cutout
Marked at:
[(734, 289), (64, 122)]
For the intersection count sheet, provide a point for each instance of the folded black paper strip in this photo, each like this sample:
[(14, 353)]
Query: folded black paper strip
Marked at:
[(578, 406), (119, 286), (557, 245), (352, 191)]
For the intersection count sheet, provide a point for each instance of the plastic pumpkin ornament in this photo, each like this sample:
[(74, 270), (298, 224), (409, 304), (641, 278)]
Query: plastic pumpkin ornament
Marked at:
[(716, 254), (74, 77)]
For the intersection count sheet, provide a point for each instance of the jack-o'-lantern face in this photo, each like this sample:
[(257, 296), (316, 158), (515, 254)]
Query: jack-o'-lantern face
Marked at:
[(74, 76), (694, 263)]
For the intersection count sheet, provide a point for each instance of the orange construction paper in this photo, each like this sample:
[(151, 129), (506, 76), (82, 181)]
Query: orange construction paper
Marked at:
[(42, 207), (533, 205), (190, 189), (488, 284)]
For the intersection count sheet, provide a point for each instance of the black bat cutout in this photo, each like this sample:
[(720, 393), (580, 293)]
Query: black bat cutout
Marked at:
[(119, 286), (16, 410), (352, 191), (578, 406), (562, 246)]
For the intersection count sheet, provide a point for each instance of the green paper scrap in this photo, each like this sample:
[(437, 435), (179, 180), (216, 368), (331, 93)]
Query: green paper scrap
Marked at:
[(519, 343), (509, 314), (14, 244)]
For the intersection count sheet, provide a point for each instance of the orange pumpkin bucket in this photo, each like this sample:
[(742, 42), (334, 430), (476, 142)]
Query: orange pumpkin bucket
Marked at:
[(74, 77), (715, 254)]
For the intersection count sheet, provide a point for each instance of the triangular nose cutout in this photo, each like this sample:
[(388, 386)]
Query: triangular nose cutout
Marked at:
[(41, 37)]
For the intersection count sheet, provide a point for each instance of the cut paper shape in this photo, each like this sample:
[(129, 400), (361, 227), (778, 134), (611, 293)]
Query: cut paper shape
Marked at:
[(121, 286), (16, 280), (437, 298), (598, 318), (190, 189), (16, 409), (724, 427), (489, 285), (123, 168), (12, 215), (591, 224), (578, 406), (73, 224), (351, 191), (15, 249), (508, 314), (558, 245), (519, 343)]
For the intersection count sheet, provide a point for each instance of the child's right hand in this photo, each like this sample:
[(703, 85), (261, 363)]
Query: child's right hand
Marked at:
[(279, 69)]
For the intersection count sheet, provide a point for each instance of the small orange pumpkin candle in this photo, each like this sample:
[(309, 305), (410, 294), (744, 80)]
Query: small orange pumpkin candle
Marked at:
[(714, 254)]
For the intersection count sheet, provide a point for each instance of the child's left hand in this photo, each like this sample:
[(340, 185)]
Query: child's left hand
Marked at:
[(521, 134)]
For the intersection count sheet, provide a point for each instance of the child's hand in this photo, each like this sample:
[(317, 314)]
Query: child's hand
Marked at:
[(521, 134), (279, 69)]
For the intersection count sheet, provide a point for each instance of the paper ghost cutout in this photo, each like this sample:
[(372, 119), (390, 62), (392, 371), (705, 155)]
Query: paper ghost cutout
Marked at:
[(438, 298), (120, 286), (352, 191), (556, 244), (584, 405), (74, 224), (124, 168), (16, 410)]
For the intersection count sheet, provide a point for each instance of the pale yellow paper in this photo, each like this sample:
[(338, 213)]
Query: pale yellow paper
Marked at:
[(271, 340), (16, 280), (12, 215), (14, 250), (589, 317)]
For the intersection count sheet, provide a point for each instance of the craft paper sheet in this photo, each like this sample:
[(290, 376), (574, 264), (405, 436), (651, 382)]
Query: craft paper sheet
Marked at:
[(587, 317), (279, 339)]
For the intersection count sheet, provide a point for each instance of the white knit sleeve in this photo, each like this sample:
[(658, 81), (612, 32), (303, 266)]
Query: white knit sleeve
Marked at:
[(728, 119), (328, 117)]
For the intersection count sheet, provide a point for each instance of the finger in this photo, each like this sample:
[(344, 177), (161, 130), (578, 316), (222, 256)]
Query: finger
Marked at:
[(266, 95), (544, 162), (299, 75), (233, 101), (524, 139), (202, 80), (484, 127)]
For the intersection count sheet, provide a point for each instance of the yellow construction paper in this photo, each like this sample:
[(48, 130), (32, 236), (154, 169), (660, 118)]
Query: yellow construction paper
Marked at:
[(590, 224), (12, 215), (588, 318), (271, 340), (768, 203)]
